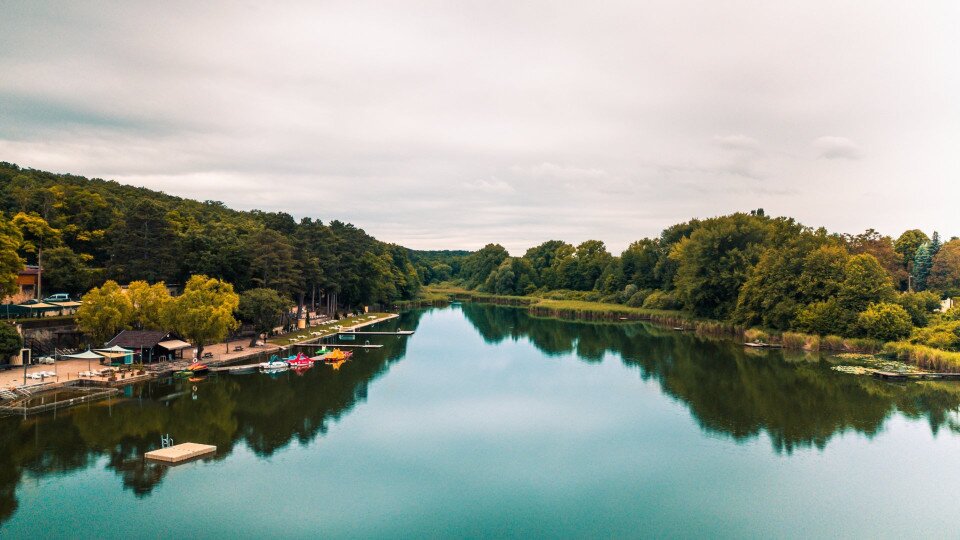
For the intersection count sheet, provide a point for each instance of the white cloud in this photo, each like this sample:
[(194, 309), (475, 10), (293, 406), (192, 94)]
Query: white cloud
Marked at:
[(546, 119)]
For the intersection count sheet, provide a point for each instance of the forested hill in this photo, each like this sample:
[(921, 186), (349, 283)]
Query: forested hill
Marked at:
[(753, 270), (91, 230)]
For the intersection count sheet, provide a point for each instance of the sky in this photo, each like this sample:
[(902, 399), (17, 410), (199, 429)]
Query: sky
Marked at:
[(450, 125)]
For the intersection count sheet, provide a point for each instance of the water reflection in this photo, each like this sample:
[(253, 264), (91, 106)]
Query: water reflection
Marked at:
[(795, 398), (265, 413)]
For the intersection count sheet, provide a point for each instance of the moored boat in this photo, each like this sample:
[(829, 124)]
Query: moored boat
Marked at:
[(274, 364), (198, 368), (301, 361)]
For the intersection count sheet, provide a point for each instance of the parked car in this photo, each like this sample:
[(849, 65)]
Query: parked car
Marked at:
[(59, 297), (46, 360)]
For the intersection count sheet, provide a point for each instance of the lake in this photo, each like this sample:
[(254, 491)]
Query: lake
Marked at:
[(488, 423)]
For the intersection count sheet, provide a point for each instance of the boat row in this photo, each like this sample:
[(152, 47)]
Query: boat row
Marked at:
[(302, 362)]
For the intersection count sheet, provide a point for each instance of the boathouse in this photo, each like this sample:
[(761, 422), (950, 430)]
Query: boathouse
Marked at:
[(152, 345)]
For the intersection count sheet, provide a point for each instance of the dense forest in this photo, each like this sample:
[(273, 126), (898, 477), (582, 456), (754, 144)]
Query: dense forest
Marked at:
[(753, 270), (746, 268), (87, 231)]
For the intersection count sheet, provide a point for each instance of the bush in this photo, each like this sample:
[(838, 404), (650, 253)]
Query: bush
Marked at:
[(945, 335), (885, 322), (920, 305), (637, 299), (660, 300), (796, 340), (832, 343), (755, 335)]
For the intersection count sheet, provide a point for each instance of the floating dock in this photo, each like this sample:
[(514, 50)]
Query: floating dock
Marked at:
[(397, 333), (181, 452)]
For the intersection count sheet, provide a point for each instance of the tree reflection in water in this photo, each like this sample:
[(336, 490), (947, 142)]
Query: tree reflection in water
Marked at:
[(795, 399)]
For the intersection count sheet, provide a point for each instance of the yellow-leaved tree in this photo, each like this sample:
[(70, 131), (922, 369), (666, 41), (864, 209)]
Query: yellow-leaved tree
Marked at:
[(10, 261), (203, 314), (105, 312), (151, 305)]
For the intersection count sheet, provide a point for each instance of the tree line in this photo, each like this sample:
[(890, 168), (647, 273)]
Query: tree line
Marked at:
[(87, 231), (754, 270)]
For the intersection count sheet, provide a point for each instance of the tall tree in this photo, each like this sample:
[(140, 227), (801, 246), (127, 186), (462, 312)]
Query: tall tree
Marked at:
[(263, 309), (945, 269), (10, 262), (715, 260), (105, 311), (37, 234), (151, 305), (204, 312)]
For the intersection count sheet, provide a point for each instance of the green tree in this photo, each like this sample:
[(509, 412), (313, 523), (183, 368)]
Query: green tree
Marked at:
[(10, 262), (151, 305), (907, 245), (37, 234), (715, 261), (638, 263), (865, 282), (885, 322), (105, 311), (273, 264), (144, 243), (945, 269), (882, 249), (10, 342), (478, 266), (592, 258), (920, 305), (263, 309), (204, 312), (66, 271)]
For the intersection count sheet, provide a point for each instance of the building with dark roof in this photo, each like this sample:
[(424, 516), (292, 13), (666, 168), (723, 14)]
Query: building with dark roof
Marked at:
[(152, 345)]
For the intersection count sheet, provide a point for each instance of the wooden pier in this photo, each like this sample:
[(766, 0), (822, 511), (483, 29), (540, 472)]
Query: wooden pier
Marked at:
[(902, 376), (397, 333), (339, 345), (181, 452)]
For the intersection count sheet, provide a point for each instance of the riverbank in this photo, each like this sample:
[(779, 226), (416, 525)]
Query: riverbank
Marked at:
[(923, 357)]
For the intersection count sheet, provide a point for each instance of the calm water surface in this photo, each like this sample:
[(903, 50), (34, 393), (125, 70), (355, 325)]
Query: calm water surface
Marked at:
[(491, 423)]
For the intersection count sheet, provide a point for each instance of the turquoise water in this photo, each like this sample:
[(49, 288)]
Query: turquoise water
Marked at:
[(490, 423)]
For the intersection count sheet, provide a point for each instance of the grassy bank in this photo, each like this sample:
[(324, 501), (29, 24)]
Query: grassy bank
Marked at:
[(599, 311)]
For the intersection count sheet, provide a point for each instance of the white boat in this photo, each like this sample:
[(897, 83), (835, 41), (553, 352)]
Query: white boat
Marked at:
[(274, 365)]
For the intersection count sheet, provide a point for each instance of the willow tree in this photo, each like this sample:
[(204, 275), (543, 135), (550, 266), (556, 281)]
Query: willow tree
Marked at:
[(203, 314)]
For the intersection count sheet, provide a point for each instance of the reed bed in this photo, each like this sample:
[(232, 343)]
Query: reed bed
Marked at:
[(925, 357)]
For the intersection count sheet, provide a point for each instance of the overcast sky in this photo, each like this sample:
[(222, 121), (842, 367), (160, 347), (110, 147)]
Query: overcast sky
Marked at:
[(454, 124)]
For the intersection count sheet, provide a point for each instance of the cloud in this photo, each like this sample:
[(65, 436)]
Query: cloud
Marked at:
[(609, 123), (829, 147)]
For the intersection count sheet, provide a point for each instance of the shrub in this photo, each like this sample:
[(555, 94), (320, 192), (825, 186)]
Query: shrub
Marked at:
[(831, 343), (920, 305), (945, 335), (863, 345), (796, 340), (885, 322), (637, 299), (660, 300), (756, 335)]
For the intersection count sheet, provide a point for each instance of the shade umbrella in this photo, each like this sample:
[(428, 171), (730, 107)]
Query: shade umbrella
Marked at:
[(87, 355)]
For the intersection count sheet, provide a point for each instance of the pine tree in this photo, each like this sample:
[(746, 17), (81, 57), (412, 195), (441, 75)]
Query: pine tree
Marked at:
[(921, 266)]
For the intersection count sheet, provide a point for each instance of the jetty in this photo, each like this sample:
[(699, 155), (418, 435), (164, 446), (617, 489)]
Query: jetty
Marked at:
[(904, 376), (396, 333), (181, 452)]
